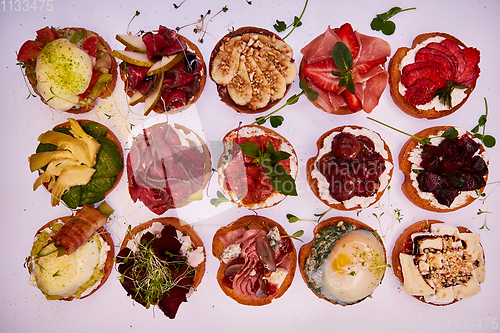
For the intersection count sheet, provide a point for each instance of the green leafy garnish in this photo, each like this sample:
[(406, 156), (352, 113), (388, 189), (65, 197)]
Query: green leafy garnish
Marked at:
[(278, 120), (488, 140), (281, 26), (292, 218), (382, 23), (450, 133), (220, 199), (281, 181), (295, 235), (445, 92), (343, 60)]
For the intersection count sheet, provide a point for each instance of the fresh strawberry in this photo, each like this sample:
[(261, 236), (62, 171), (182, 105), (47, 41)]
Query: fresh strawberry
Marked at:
[(364, 68), (321, 74), (348, 37), (353, 102)]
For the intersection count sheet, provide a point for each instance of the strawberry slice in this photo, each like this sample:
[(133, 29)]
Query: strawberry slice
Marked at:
[(364, 68), (348, 37), (353, 102), (321, 74)]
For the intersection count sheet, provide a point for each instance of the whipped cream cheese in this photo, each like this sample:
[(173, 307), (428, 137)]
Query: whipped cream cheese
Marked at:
[(323, 185), (415, 157), (457, 95), (228, 155)]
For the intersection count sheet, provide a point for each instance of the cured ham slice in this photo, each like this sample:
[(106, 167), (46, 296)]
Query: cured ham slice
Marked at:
[(78, 229)]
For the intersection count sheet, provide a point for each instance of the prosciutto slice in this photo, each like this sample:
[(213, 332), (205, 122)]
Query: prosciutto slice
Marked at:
[(78, 229), (163, 172), (369, 85)]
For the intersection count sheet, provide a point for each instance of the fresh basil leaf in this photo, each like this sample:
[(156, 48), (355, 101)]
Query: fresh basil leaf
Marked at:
[(450, 133), (342, 56), (282, 182), (489, 141), (276, 121), (250, 149)]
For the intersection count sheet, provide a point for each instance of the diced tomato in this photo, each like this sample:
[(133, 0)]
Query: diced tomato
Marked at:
[(46, 35), (29, 50), (89, 44)]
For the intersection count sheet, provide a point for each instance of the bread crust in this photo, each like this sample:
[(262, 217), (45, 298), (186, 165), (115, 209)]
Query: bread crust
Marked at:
[(110, 86), (395, 78), (405, 166), (108, 265), (251, 222), (202, 81), (110, 135), (222, 90), (183, 227), (229, 137), (313, 182), (400, 245), (305, 249)]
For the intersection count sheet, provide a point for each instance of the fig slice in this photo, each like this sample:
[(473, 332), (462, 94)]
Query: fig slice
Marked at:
[(265, 253)]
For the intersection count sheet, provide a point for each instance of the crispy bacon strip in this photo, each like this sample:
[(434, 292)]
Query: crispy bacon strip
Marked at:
[(78, 229)]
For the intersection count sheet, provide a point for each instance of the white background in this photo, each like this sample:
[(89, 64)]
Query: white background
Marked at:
[(24, 309)]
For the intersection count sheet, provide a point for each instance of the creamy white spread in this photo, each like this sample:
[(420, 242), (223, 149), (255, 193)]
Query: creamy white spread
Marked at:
[(457, 95), (324, 186), (415, 157), (228, 156)]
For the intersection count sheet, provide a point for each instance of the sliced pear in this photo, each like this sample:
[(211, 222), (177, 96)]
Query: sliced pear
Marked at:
[(134, 43), (240, 88), (136, 98), (133, 57), (165, 63), (154, 97)]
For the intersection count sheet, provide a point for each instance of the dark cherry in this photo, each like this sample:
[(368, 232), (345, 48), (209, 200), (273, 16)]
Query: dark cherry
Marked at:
[(345, 145)]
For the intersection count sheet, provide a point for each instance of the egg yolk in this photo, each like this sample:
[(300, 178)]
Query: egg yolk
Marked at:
[(339, 262)]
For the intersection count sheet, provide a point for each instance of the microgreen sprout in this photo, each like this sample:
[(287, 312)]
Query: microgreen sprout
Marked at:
[(281, 26), (450, 133), (276, 121), (295, 235), (488, 140), (21, 67), (176, 6), (292, 218), (137, 13), (202, 23), (382, 23), (220, 199)]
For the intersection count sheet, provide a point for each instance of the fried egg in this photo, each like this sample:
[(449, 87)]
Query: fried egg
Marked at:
[(354, 267), (63, 71)]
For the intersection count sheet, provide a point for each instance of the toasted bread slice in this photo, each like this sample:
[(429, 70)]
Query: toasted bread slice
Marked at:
[(251, 222), (313, 181), (406, 166), (395, 78)]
